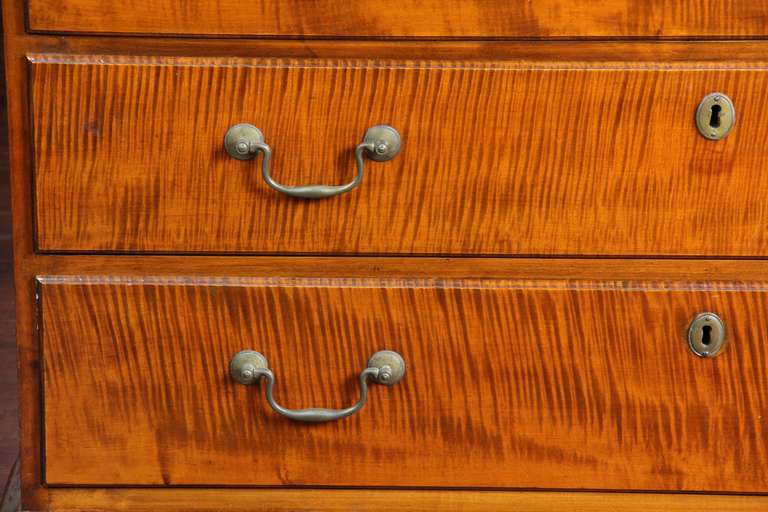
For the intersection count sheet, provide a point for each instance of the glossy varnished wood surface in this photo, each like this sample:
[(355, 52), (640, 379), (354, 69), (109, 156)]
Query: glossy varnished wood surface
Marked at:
[(32, 492), (408, 18), (499, 158), (510, 384), (36, 496), (28, 264), (462, 50), (9, 417), (399, 267), (369, 500)]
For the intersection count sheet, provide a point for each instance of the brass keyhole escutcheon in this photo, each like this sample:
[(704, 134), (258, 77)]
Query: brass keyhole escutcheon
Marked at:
[(706, 335), (715, 116)]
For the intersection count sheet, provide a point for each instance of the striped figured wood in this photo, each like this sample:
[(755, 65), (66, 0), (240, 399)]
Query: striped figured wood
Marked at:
[(547, 158), (544, 384), (409, 18), (370, 500)]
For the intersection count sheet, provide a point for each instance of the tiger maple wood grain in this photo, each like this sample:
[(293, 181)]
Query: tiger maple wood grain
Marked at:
[(368, 500), (409, 18), (541, 158), (509, 385)]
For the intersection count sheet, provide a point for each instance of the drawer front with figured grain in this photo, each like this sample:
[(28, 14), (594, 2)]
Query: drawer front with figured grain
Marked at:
[(508, 384), (408, 18), (568, 159)]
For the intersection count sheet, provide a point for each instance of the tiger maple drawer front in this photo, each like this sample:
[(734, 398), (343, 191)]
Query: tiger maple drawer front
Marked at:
[(406, 18), (508, 384), (495, 159)]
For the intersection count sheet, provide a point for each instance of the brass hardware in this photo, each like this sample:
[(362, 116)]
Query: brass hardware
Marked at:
[(239, 140), (245, 142), (715, 116), (706, 335), (384, 367)]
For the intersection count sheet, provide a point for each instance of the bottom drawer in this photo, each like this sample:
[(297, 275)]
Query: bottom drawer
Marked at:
[(508, 384)]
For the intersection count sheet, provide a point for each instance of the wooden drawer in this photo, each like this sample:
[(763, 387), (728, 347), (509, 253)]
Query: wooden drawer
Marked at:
[(587, 385), (408, 19), (498, 158)]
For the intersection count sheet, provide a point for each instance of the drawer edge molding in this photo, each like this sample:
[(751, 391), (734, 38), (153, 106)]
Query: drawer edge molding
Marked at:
[(372, 500)]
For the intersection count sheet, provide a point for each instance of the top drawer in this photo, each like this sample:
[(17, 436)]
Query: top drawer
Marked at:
[(408, 18), (545, 158)]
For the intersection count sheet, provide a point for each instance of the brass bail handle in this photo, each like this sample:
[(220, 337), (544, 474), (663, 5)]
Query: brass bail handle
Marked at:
[(245, 142), (384, 367)]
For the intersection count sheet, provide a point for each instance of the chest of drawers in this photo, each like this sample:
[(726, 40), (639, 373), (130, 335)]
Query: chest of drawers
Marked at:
[(474, 255)]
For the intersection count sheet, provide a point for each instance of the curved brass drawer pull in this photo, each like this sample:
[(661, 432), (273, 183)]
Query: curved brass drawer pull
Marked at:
[(245, 141), (384, 367)]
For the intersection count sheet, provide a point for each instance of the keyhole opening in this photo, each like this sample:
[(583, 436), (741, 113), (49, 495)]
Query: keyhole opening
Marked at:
[(706, 335), (714, 120)]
